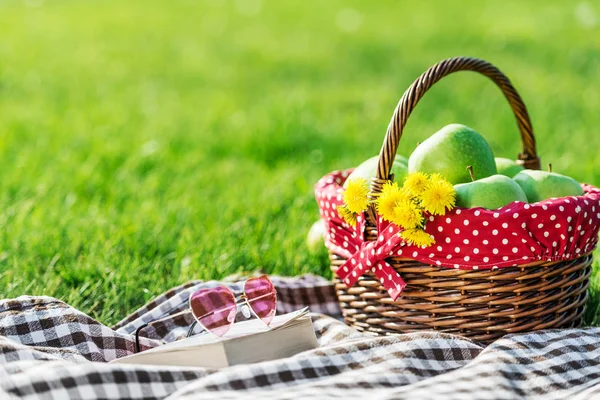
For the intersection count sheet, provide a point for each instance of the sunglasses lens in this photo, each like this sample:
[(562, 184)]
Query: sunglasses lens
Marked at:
[(214, 309), (261, 297)]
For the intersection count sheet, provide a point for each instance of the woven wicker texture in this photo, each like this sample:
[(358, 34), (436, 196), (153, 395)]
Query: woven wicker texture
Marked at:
[(482, 305)]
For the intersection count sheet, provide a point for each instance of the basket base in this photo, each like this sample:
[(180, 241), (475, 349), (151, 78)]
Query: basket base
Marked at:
[(481, 305)]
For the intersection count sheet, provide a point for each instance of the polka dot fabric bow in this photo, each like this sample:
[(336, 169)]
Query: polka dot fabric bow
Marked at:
[(474, 238)]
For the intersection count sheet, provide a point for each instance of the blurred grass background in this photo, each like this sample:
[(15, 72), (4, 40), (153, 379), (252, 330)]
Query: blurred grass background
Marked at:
[(147, 143)]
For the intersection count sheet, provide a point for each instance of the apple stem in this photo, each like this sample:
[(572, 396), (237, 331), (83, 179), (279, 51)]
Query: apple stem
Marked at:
[(550, 167), (470, 168)]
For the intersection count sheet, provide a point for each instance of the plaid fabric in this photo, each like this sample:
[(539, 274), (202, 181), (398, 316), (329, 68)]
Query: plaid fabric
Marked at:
[(48, 350)]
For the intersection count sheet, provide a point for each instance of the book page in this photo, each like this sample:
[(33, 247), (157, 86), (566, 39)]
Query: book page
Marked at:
[(293, 337)]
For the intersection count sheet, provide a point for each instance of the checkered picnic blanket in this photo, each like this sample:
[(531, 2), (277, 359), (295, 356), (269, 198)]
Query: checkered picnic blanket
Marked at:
[(49, 350)]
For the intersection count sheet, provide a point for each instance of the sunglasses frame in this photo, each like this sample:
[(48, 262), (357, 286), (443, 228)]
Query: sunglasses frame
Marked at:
[(239, 300)]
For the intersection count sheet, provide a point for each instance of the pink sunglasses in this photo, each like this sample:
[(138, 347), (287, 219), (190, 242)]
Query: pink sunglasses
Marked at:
[(215, 308)]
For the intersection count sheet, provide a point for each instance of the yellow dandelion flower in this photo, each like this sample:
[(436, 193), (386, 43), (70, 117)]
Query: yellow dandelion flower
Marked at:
[(439, 196), (356, 195), (389, 187), (387, 203), (417, 237), (415, 183), (436, 177), (408, 215), (348, 215), (391, 196)]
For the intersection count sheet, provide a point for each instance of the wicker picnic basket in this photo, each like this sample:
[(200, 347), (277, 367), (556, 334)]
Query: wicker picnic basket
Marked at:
[(482, 304)]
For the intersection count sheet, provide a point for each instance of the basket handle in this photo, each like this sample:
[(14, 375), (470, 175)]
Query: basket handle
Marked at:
[(528, 158)]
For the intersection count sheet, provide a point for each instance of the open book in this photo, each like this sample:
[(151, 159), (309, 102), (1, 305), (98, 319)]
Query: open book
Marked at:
[(246, 342)]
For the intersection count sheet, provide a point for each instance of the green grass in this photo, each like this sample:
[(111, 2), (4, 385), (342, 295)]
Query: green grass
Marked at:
[(147, 143)]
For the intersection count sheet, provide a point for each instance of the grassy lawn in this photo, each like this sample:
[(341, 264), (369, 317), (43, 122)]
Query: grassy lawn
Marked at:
[(146, 143)]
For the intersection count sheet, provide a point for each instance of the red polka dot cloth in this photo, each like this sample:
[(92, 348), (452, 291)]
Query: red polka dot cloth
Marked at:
[(466, 238)]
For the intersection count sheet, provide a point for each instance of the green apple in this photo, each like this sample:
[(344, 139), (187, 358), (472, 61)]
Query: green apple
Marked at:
[(315, 240), (492, 192), (542, 185), (368, 170), (450, 151), (508, 167)]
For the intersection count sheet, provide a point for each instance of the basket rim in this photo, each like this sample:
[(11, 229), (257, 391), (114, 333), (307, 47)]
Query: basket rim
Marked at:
[(328, 192)]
